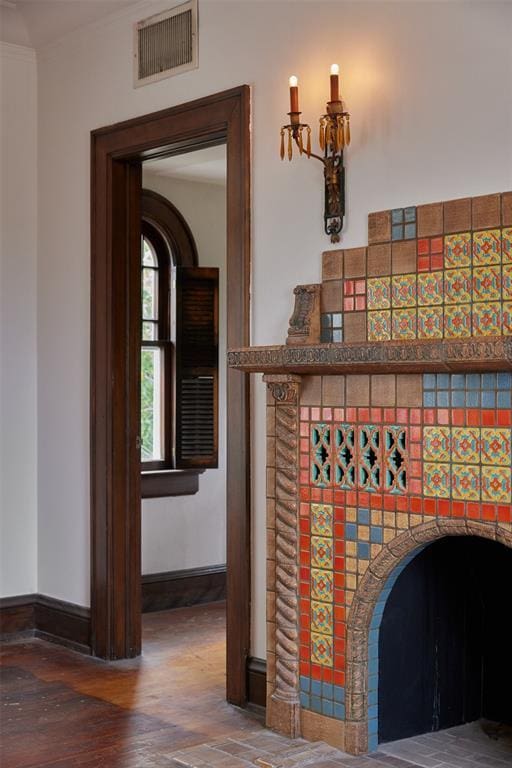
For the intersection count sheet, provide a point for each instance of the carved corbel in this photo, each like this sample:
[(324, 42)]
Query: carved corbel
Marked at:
[(305, 320)]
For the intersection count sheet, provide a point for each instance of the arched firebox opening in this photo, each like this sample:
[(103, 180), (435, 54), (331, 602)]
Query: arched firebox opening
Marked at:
[(444, 639)]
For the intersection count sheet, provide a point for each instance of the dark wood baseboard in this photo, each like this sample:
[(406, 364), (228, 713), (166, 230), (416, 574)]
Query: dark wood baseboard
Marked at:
[(256, 681), (177, 589), (48, 618)]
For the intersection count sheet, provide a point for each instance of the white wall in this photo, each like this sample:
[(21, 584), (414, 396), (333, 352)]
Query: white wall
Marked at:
[(190, 531), (18, 351), (428, 86)]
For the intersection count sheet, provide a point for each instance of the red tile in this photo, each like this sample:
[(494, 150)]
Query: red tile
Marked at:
[(473, 510), (351, 498), (327, 675), (443, 416), (360, 287), (316, 671), (304, 573), (458, 417), (436, 245), (416, 504), (339, 530), (303, 477), (488, 418), (436, 262), (376, 501), (339, 614), (339, 563), (348, 304), (315, 414), (415, 468), (351, 414), (339, 660), (363, 414), (304, 509), (423, 263), (303, 589), (304, 460), (327, 495), (304, 445), (339, 498), (488, 512), (339, 677), (402, 415), (473, 417), (389, 415), (376, 415), (339, 596), (340, 630), (504, 513), (504, 418), (316, 494), (304, 542), (305, 621), (364, 500), (339, 514), (416, 450), (415, 415), (305, 493), (348, 288), (304, 428), (360, 303), (339, 547), (458, 509), (443, 507), (304, 413), (304, 525), (429, 416), (430, 506), (402, 503), (339, 414), (305, 653), (416, 434), (304, 606), (389, 502), (305, 668), (339, 580), (415, 485), (326, 414), (423, 246), (304, 557)]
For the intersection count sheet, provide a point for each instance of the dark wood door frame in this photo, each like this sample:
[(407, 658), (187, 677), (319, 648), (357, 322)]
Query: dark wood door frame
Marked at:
[(116, 154)]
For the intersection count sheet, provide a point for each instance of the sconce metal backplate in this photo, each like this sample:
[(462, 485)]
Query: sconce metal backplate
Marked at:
[(334, 200)]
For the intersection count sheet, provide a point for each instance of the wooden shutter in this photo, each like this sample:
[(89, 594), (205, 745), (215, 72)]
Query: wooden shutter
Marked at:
[(196, 366)]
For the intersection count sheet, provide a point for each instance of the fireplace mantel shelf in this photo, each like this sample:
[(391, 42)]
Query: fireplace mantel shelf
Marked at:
[(458, 355)]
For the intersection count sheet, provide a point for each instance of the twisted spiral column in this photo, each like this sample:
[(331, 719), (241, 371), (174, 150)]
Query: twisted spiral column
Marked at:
[(283, 710)]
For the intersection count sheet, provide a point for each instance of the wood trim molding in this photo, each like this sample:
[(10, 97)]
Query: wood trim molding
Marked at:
[(256, 682), (48, 618), (117, 152), (174, 482), (176, 589)]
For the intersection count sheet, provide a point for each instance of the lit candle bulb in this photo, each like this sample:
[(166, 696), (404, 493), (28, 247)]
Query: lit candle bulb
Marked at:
[(294, 93), (335, 87)]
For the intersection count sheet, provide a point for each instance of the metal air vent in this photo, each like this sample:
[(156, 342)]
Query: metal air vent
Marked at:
[(166, 44)]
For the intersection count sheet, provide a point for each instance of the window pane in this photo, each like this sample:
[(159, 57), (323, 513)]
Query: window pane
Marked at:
[(148, 254), (149, 294), (151, 404), (149, 331)]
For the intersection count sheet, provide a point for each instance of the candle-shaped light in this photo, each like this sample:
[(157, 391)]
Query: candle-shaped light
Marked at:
[(294, 93), (335, 86)]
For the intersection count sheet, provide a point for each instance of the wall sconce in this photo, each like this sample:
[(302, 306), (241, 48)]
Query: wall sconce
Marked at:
[(334, 136)]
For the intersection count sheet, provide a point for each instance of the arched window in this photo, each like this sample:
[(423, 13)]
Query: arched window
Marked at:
[(179, 365)]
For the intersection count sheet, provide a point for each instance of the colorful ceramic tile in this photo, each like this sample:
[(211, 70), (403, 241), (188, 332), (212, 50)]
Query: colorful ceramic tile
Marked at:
[(487, 283), (430, 322), (457, 286), (321, 552), (506, 245), (379, 325), (404, 324), (487, 247), (321, 585), (466, 445), (487, 319), (457, 250), (403, 290), (436, 480), (436, 444), (496, 446), (457, 320), (496, 484), (430, 288), (322, 649), (379, 292), (322, 617), (321, 519), (506, 281), (507, 318), (466, 482)]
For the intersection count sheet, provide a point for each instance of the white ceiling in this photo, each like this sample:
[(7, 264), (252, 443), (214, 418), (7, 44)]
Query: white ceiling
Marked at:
[(47, 20), (205, 165)]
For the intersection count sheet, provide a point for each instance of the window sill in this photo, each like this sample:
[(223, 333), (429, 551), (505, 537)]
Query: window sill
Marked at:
[(171, 482)]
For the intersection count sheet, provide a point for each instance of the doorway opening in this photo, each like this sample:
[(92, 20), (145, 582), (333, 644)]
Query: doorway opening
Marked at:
[(445, 638), (118, 153), (183, 440)]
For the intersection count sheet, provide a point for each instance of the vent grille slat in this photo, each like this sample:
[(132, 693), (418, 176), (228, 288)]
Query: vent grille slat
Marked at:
[(166, 44)]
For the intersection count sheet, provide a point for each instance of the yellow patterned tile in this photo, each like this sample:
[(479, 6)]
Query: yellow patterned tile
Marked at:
[(457, 250), (507, 281), (496, 446), (321, 552), (507, 318), (466, 482), (321, 585), (430, 322), (436, 480), (379, 292), (457, 320), (403, 290), (322, 617), (436, 443), (487, 318), (379, 325), (322, 649), (466, 445), (321, 519), (506, 244), (487, 247), (404, 324), (457, 286), (496, 484)]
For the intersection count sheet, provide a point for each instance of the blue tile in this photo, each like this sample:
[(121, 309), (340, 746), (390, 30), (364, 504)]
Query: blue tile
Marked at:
[(410, 231), (373, 683), (373, 726), (458, 381), (373, 637), (458, 399), (504, 400), (429, 380), (304, 683), (325, 335), (376, 535), (339, 693), (443, 398), (337, 320), (316, 687), (489, 381), (337, 335), (373, 698), (397, 232), (410, 213), (473, 399), (327, 690), (488, 399), (339, 711), (304, 700), (443, 380), (363, 516), (316, 704), (473, 381), (397, 215), (325, 320), (373, 742), (429, 399), (504, 380), (351, 531), (373, 712), (327, 708), (363, 550), (373, 666)]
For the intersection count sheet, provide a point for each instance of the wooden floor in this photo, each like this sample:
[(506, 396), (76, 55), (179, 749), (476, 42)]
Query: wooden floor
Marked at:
[(62, 709)]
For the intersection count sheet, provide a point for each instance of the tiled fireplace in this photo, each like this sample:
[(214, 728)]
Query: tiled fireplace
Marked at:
[(389, 427)]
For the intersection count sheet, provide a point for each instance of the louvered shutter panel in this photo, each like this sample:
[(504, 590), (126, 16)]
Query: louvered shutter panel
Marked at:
[(196, 381)]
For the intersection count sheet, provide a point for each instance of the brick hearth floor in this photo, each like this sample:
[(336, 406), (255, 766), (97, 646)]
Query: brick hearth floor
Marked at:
[(166, 709)]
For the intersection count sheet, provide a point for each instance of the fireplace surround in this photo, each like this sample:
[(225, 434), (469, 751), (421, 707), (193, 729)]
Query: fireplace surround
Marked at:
[(389, 427)]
